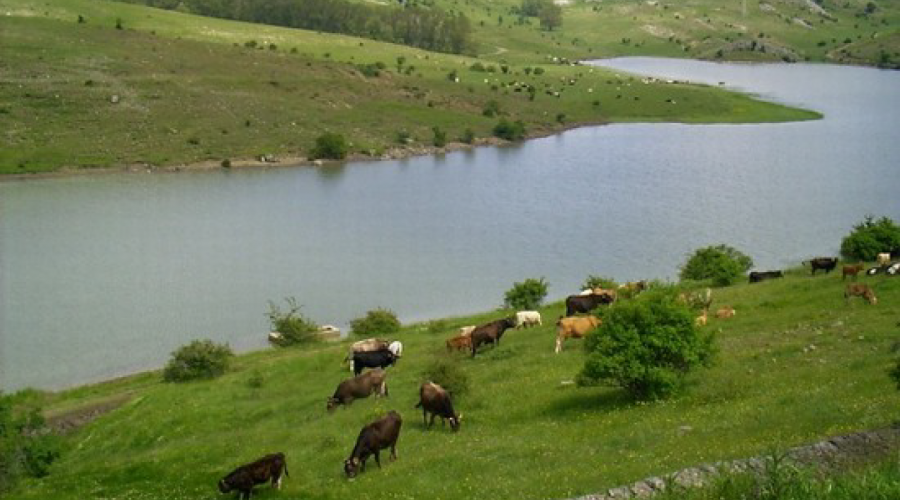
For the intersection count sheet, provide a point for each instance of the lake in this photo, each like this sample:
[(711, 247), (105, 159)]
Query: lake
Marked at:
[(105, 275)]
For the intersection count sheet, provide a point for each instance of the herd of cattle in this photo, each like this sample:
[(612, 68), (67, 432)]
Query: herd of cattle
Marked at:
[(434, 400)]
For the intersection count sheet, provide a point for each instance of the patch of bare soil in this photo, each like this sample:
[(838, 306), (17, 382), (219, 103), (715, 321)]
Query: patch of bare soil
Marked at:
[(70, 420)]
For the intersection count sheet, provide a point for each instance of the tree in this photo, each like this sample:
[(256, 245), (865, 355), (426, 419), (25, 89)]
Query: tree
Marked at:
[(550, 16), (377, 322), (526, 295), (871, 237), (647, 346), (723, 264), (293, 327)]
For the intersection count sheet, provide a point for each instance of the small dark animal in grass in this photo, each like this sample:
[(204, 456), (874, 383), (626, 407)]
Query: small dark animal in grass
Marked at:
[(435, 399), (245, 477), (851, 271), (586, 303), (860, 290), (359, 387), (373, 438), (490, 333), (372, 359), (757, 276), (826, 264)]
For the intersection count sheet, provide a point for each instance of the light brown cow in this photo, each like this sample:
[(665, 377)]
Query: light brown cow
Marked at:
[(575, 328), (460, 343), (465, 331), (860, 290), (702, 319), (851, 271), (883, 259), (725, 312)]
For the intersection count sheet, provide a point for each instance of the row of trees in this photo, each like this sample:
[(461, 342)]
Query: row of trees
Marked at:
[(427, 28)]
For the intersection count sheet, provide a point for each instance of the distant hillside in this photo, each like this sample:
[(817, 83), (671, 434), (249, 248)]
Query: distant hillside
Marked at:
[(96, 84)]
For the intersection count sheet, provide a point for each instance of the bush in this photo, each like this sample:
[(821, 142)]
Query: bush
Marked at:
[(526, 295), (468, 136), (440, 137), (599, 282), (895, 374), (722, 264), (201, 359), (26, 448), (376, 323), (647, 346), (869, 238), (291, 324), (491, 109), (330, 146), (446, 372), (510, 131)]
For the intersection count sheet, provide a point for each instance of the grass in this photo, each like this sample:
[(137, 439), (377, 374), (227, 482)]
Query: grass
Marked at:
[(172, 88), (797, 364)]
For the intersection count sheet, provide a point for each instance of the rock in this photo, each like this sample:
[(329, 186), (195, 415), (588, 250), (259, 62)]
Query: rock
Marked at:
[(114, 99)]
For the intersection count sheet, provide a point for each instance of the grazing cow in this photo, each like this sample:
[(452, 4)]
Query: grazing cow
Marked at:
[(490, 333), (359, 387), (893, 269), (826, 264), (586, 303), (725, 312), (702, 319), (860, 290), (435, 399), (700, 299), (757, 276), (525, 319), (245, 477), (373, 438), (574, 328), (372, 359), (883, 258), (633, 288), (396, 347), (460, 343), (466, 331), (366, 345), (851, 271)]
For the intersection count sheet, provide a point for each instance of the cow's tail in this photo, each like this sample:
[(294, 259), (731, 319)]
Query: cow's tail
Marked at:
[(285, 469)]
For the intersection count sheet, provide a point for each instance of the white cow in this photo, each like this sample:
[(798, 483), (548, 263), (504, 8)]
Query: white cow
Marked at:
[(882, 259), (396, 347), (527, 318)]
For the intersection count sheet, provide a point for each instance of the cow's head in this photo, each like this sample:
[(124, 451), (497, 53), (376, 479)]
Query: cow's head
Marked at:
[(454, 422), (351, 466), (332, 404), (224, 486)]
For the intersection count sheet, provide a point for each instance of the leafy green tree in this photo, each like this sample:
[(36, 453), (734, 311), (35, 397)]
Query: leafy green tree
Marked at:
[(526, 295), (647, 346), (550, 16), (201, 359), (376, 323), (330, 146), (722, 264), (871, 237), (294, 328)]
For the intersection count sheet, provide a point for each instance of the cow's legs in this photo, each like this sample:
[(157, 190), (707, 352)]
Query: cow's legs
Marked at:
[(431, 423), (377, 458), (394, 450)]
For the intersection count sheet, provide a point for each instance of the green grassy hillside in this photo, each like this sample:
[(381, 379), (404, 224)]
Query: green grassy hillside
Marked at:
[(797, 364), (171, 88)]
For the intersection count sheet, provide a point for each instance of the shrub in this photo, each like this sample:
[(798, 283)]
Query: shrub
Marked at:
[(440, 137), (446, 372), (201, 359), (26, 448), (291, 324), (527, 294), (722, 264), (404, 137), (599, 282), (871, 237), (376, 323), (369, 70), (895, 374), (468, 136), (331, 146), (538, 71), (510, 131), (491, 109), (647, 346)]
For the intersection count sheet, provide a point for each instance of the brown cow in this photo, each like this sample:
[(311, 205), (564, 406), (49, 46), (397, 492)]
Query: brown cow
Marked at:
[(702, 319), (373, 438), (860, 290), (361, 386), (586, 303), (851, 271), (460, 343), (490, 333), (245, 477), (435, 399), (574, 328), (826, 264), (725, 312)]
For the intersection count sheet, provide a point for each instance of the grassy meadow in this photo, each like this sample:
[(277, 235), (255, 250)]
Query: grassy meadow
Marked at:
[(796, 364), (173, 89)]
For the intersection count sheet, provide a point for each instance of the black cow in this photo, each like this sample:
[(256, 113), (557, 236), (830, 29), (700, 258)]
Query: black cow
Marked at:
[(586, 303), (435, 399), (361, 386), (757, 276), (372, 359), (373, 438), (827, 264), (490, 333), (245, 477)]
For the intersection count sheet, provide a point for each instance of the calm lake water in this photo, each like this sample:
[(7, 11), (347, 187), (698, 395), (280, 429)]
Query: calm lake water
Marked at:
[(105, 275)]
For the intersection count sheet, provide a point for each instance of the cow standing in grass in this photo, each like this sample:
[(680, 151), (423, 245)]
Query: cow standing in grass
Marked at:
[(245, 477), (435, 399), (380, 434), (490, 333)]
